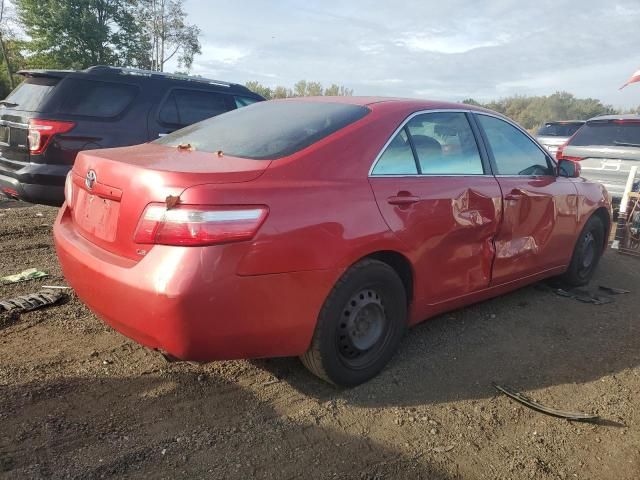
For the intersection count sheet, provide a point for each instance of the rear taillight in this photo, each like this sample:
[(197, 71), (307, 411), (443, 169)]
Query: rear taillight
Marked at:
[(195, 225), (560, 151), (42, 131)]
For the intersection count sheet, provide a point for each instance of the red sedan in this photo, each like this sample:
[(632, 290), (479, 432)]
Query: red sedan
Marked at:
[(321, 228)]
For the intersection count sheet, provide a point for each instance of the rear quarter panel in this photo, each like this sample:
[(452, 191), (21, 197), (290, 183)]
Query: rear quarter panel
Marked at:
[(322, 212)]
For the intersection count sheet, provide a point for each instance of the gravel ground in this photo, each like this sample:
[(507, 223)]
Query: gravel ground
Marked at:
[(78, 400)]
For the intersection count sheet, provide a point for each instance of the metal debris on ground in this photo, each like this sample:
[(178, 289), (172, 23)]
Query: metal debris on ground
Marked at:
[(526, 401), (584, 296), (33, 301), (56, 287), (25, 275), (613, 290)]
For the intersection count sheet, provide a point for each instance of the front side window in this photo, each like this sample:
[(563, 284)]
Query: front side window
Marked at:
[(185, 107), (514, 153), (97, 99), (444, 144), (397, 158)]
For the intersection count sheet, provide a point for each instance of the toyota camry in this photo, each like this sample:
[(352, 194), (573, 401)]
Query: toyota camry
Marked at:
[(321, 228)]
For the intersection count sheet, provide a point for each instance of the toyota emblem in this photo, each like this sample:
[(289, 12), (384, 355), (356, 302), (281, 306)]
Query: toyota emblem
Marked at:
[(90, 179)]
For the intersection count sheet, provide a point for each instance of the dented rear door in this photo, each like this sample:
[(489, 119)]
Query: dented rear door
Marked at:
[(432, 190)]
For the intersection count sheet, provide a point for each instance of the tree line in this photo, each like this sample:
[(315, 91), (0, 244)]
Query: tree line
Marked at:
[(301, 88), (533, 111)]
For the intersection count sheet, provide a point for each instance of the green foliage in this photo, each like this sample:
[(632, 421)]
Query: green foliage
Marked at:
[(302, 88), (16, 62), (80, 33), (167, 33), (533, 112)]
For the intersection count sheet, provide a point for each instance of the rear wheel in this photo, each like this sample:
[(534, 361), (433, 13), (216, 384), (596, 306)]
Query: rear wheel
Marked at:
[(360, 325), (586, 253)]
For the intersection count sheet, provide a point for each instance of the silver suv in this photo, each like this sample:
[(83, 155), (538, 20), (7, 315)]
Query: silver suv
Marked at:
[(607, 147), (554, 134)]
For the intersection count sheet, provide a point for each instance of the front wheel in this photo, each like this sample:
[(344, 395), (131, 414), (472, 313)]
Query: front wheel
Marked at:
[(586, 253), (360, 325)]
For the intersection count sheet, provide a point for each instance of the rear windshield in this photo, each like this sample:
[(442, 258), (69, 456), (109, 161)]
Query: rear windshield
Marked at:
[(267, 130), (608, 134), (29, 95), (559, 129), (96, 98)]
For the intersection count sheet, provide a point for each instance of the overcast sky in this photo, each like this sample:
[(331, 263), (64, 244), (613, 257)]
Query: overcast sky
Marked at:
[(445, 49)]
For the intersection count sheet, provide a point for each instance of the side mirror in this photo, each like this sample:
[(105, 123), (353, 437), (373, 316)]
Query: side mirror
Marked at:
[(568, 168)]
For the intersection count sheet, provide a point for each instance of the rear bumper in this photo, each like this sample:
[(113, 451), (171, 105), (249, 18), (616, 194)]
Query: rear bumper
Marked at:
[(34, 182), (190, 303)]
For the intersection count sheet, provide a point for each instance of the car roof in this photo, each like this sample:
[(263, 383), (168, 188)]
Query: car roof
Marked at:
[(112, 72), (378, 103), (626, 116)]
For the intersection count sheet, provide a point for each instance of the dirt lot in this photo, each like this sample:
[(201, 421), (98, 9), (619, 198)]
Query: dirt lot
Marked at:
[(78, 400)]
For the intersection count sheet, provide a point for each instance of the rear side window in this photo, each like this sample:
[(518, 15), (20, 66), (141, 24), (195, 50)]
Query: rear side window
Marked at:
[(559, 129), (244, 101), (444, 144), (267, 130), (397, 158), (30, 94), (514, 153), (609, 133), (184, 107), (96, 99)]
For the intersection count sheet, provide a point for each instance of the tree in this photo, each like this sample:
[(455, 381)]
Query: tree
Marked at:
[(260, 89), (168, 34), (5, 31), (80, 33), (338, 91), (533, 112), (302, 88)]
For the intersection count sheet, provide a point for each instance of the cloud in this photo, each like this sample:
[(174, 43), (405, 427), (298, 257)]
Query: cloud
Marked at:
[(449, 51)]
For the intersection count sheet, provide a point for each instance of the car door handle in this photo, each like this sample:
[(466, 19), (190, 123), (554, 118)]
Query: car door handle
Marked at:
[(402, 200), (515, 194)]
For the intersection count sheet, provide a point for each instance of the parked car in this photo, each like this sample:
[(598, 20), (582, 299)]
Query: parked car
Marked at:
[(606, 147), (320, 228), (554, 134), (54, 114)]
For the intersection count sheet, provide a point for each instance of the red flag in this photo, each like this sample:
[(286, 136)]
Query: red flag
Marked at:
[(634, 78)]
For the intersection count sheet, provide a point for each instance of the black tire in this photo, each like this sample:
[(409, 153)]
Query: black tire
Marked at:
[(359, 326), (586, 253)]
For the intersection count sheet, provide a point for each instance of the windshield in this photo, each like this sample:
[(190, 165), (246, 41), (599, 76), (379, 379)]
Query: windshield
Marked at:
[(608, 133), (559, 129), (29, 95), (267, 130)]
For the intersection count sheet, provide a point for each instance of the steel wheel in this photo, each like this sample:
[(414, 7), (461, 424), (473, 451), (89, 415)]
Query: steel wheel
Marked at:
[(363, 329)]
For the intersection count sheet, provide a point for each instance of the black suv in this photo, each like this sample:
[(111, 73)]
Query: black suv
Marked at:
[(54, 114)]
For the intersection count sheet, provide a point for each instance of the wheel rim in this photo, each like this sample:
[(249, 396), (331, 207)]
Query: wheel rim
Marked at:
[(588, 251), (363, 329)]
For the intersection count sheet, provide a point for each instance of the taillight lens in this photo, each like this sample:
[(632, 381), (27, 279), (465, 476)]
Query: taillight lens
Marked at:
[(560, 151), (68, 189), (42, 131), (197, 225)]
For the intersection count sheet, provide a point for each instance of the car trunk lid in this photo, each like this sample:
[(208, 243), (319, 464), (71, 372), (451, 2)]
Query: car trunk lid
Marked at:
[(112, 187)]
